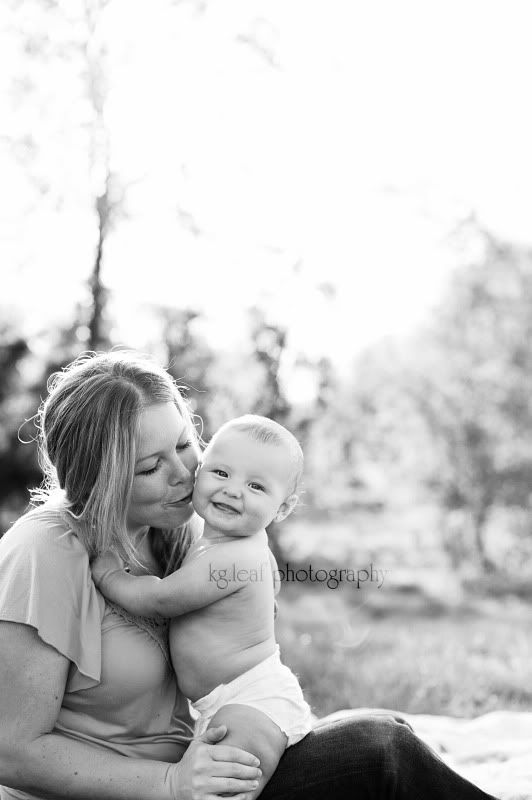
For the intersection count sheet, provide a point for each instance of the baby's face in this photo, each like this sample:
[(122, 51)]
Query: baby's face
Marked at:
[(242, 484)]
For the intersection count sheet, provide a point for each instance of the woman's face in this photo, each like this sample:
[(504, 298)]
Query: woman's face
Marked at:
[(167, 457)]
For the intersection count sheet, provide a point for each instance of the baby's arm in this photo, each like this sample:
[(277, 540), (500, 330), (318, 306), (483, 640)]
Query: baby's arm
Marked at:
[(198, 583), (134, 593)]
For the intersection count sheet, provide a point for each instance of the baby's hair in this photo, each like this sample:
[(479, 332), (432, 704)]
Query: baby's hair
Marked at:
[(267, 431)]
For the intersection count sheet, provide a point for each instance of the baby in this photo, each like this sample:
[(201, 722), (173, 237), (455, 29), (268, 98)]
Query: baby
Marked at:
[(221, 600)]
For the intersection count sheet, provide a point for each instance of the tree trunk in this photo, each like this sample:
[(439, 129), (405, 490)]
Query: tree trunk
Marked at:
[(480, 516), (97, 338)]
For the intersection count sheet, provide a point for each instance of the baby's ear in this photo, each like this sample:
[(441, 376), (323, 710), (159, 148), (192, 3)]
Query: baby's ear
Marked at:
[(286, 508)]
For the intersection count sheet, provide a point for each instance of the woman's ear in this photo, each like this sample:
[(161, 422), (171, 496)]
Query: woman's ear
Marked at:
[(286, 508)]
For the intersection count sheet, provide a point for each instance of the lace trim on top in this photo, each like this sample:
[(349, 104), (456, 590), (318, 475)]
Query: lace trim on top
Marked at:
[(157, 629)]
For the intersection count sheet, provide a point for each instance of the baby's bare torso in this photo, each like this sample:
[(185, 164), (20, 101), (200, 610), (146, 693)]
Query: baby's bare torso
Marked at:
[(218, 642)]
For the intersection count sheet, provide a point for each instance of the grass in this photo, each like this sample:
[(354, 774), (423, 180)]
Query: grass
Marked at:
[(426, 642), (406, 654)]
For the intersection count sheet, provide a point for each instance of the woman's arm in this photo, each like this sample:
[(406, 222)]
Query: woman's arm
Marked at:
[(35, 759), (32, 757)]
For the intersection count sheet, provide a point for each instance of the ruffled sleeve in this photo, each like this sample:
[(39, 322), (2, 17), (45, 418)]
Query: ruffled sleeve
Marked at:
[(45, 582)]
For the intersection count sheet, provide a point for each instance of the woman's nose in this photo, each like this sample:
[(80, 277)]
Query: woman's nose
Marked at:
[(180, 471)]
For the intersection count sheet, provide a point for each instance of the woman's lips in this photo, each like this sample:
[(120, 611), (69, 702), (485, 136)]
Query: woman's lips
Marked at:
[(183, 502)]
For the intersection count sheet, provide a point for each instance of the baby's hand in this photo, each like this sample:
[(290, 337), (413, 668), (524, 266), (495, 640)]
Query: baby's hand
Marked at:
[(104, 565)]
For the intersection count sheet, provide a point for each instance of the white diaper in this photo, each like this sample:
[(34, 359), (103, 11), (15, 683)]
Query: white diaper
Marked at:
[(269, 687)]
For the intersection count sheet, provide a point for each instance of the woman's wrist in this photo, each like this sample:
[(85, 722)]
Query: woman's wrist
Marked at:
[(172, 783)]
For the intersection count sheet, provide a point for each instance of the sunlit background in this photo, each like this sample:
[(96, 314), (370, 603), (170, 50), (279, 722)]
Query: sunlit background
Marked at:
[(319, 211)]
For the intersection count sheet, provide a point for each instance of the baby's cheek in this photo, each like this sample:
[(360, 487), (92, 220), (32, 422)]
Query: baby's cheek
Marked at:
[(196, 499), (198, 490), (204, 486)]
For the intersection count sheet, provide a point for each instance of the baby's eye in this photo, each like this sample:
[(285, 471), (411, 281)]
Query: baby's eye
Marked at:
[(221, 472), (257, 486)]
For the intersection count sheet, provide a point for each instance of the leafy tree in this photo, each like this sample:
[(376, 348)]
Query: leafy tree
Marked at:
[(66, 46), (18, 464), (471, 382), (25, 374), (269, 343), (189, 357)]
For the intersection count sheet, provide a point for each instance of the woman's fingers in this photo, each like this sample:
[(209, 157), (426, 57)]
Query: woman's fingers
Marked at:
[(225, 752), (225, 769), (211, 771), (241, 796), (213, 735), (231, 785), (195, 780)]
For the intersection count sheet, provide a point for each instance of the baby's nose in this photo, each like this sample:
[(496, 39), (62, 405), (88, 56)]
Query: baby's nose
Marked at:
[(233, 490)]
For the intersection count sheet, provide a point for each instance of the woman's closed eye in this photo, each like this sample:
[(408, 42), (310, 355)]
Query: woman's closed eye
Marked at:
[(180, 446), (151, 470)]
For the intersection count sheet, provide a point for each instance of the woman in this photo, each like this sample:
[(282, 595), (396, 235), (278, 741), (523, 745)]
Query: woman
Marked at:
[(88, 701)]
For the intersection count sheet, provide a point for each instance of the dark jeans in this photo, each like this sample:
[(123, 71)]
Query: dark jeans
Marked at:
[(365, 758)]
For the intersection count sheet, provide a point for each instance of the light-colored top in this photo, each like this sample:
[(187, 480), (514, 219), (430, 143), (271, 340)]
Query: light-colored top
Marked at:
[(121, 693)]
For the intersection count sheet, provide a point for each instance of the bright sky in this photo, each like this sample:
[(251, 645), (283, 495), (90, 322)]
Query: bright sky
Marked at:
[(346, 144)]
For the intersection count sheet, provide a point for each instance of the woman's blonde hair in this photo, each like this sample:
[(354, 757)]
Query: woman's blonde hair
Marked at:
[(88, 428)]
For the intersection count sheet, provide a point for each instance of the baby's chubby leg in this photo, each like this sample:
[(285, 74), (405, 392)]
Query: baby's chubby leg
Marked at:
[(255, 732)]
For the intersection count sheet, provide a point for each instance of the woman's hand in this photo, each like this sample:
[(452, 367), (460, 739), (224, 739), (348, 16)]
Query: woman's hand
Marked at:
[(208, 771)]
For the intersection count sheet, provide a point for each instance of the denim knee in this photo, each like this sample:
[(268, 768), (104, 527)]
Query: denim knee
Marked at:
[(385, 741)]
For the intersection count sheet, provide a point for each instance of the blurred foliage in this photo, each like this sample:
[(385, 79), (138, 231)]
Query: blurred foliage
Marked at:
[(462, 663), (48, 40), (471, 383), (443, 421), (445, 418), (448, 418)]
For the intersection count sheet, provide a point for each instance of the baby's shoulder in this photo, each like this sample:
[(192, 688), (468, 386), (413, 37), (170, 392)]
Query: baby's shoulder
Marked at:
[(243, 547), (252, 549)]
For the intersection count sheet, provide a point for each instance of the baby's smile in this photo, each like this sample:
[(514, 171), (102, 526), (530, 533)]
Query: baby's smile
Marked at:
[(225, 508)]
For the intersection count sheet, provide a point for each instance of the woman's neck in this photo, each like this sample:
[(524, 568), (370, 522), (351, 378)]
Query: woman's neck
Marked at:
[(141, 541), (137, 537)]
